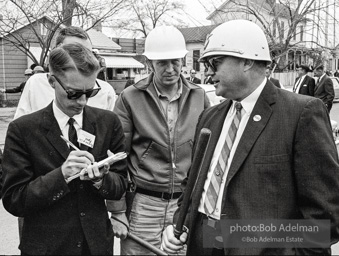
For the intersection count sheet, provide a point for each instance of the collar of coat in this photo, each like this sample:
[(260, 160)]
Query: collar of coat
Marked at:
[(144, 83)]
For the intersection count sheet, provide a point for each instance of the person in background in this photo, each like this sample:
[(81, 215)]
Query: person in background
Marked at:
[(38, 70), (192, 77), (28, 73), (208, 79), (159, 115), (271, 154), (324, 87), (274, 81), (38, 93), (102, 74), (328, 73), (129, 82), (63, 216), (304, 84)]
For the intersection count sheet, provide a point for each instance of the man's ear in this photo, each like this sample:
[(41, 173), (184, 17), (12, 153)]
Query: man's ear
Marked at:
[(51, 81), (248, 64)]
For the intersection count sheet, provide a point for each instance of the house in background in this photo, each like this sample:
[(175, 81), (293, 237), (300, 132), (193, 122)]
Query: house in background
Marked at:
[(13, 62), (195, 39), (120, 66)]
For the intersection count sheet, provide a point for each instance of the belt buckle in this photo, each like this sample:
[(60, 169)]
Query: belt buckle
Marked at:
[(211, 222), (166, 199)]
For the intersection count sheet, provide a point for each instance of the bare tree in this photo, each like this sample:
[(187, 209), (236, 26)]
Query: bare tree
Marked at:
[(143, 15), (24, 21)]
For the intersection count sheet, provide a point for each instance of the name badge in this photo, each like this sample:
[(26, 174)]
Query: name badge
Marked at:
[(86, 138)]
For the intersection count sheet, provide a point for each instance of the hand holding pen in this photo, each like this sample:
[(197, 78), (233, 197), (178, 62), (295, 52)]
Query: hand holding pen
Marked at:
[(84, 166)]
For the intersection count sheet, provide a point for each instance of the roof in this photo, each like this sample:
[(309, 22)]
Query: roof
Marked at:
[(196, 34), (101, 41), (122, 62), (25, 24), (280, 9)]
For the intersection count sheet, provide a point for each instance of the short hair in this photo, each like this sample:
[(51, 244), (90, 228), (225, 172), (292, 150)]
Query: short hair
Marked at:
[(321, 67), (71, 31), (73, 57)]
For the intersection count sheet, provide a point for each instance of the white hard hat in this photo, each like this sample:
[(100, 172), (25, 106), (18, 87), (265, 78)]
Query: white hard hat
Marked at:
[(38, 69), (238, 38), (28, 71), (164, 43)]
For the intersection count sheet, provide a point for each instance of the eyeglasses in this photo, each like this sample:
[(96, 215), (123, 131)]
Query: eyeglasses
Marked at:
[(76, 94), (213, 63)]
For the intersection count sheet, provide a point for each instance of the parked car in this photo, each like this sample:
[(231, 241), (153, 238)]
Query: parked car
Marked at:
[(335, 81), (210, 92)]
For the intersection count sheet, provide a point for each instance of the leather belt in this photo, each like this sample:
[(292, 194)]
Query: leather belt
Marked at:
[(162, 195)]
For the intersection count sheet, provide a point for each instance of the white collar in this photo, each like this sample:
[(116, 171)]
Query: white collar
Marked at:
[(62, 118)]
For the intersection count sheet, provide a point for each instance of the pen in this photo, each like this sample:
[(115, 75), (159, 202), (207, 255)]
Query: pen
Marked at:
[(70, 143), (69, 179)]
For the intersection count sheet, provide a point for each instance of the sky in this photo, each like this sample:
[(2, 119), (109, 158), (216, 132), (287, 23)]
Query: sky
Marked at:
[(196, 13), (195, 16)]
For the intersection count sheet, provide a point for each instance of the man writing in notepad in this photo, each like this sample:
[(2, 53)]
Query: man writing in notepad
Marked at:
[(63, 216)]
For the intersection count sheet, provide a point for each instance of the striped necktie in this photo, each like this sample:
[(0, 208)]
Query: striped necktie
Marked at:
[(215, 184), (296, 85)]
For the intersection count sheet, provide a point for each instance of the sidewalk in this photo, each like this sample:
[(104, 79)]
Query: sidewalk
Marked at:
[(6, 116)]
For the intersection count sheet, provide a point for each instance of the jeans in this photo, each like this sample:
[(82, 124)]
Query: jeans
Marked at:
[(148, 219)]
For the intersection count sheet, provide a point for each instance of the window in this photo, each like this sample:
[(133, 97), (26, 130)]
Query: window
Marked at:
[(274, 29), (282, 29), (196, 63), (43, 29), (301, 33)]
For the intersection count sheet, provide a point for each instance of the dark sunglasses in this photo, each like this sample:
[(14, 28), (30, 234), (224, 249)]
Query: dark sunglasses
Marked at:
[(76, 94), (212, 63)]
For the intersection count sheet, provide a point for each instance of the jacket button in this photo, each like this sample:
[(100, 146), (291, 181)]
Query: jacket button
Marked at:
[(82, 214), (79, 244), (54, 198), (81, 186)]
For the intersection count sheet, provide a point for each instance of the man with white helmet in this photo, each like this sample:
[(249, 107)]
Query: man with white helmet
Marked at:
[(159, 115), (266, 159), (28, 73)]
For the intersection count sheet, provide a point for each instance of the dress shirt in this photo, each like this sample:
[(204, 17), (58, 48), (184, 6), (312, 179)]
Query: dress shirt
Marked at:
[(247, 107), (299, 82), (170, 108), (62, 120), (38, 93), (319, 79)]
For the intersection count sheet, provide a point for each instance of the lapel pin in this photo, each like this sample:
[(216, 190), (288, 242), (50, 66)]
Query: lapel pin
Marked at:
[(257, 118)]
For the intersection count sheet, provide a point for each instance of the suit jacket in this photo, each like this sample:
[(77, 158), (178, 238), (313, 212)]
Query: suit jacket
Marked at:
[(275, 82), (307, 86), (282, 167), (324, 90), (59, 216), (195, 80)]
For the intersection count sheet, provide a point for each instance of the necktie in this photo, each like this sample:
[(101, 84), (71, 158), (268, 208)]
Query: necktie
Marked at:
[(72, 133), (214, 186), (296, 85)]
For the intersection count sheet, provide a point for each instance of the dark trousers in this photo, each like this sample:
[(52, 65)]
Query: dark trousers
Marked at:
[(329, 107)]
